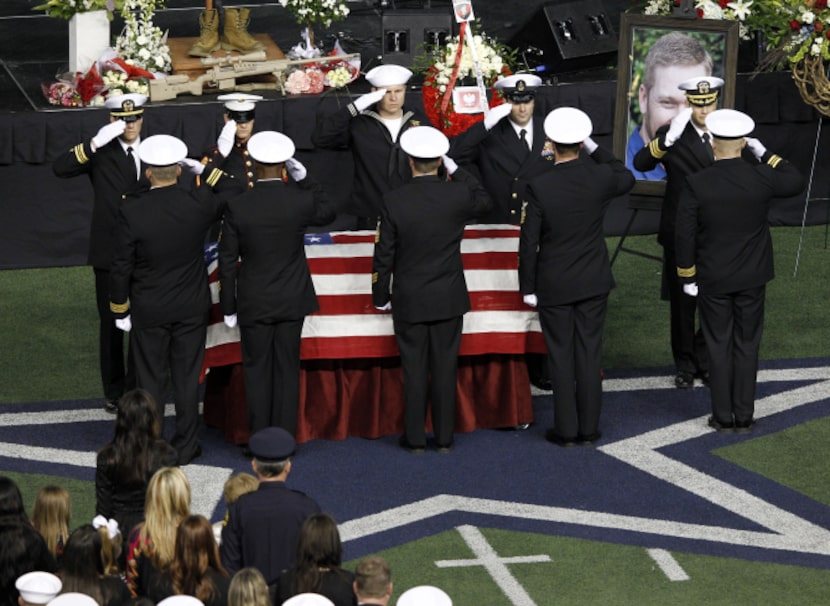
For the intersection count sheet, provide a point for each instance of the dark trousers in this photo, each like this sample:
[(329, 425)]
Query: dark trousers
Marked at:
[(687, 344), (429, 354), (271, 362), (176, 349), (573, 335), (733, 325), (116, 377)]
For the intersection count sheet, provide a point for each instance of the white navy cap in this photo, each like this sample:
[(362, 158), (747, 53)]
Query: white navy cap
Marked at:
[(270, 147), (38, 587), (388, 75), (73, 599), (181, 600), (424, 595), (701, 90), (568, 125), (162, 150), (425, 142), (519, 88), (240, 106), (129, 107), (308, 599), (729, 124)]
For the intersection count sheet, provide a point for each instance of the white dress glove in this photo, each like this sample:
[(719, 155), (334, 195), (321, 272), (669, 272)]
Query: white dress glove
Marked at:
[(386, 307), (690, 289), (296, 169), (590, 145), (226, 138), (230, 321), (756, 147), (107, 133), (449, 164), (531, 300), (495, 115), (678, 123), (194, 166), (124, 324), (369, 99)]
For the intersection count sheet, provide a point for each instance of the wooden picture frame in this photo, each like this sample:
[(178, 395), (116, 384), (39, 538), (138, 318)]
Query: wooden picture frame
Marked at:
[(718, 39)]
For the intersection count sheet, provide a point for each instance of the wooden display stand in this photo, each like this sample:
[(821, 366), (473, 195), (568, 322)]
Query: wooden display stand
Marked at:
[(192, 66)]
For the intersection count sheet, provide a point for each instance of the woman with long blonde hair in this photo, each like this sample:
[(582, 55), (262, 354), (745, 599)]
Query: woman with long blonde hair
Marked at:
[(152, 547), (248, 588), (52, 511)]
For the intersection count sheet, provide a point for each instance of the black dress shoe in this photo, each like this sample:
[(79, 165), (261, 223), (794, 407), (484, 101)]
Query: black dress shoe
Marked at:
[(111, 406), (552, 436), (587, 440), (443, 448), (542, 383), (684, 380), (703, 375), (409, 447), (721, 427), (744, 426)]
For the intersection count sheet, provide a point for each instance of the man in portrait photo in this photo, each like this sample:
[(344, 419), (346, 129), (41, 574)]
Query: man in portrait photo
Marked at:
[(672, 59)]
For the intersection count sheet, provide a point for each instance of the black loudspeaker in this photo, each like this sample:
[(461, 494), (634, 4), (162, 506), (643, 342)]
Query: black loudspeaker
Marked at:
[(564, 37), (409, 33)]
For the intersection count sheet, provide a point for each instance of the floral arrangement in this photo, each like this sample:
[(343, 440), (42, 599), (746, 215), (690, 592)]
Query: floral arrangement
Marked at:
[(310, 12), (141, 43), (807, 30), (109, 76), (453, 63), (736, 10), (305, 81), (331, 71), (66, 9), (120, 83)]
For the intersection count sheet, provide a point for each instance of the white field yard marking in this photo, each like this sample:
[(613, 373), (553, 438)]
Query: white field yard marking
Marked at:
[(487, 557), (667, 563), (795, 533), (206, 482)]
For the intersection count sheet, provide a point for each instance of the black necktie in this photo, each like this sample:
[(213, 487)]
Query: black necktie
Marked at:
[(523, 138), (705, 138), (131, 158)]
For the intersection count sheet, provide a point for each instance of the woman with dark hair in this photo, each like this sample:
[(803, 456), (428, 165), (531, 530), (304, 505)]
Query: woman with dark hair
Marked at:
[(127, 463), (82, 570), (22, 548), (196, 569), (319, 554)]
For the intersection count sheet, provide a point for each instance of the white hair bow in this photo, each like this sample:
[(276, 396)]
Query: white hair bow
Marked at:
[(111, 525)]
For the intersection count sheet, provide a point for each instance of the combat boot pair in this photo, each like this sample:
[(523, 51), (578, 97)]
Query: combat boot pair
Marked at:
[(235, 35)]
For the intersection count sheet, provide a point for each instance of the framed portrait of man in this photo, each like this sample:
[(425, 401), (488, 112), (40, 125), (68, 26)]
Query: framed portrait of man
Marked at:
[(655, 55)]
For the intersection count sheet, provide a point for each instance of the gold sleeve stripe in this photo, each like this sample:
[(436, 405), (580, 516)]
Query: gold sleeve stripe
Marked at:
[(374, 277), (80, 154), (686, 272), (214, 176), (774, 160), (654, 148), (119, 308)]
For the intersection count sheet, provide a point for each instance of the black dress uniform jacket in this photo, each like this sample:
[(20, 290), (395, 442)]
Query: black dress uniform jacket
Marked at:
[(420, 231), (504, 163), (263, 528), (265, 227), (379, 163), (112, 174)]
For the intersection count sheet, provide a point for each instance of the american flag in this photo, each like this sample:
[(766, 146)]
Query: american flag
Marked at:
[(348, 325)]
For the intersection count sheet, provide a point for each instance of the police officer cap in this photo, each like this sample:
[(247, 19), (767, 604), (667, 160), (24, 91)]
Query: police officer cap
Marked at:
[(272, 444), (729, 124), (73, 599), (424, 595), (181, 600), (38, 587), (162, 150), (519, 88), (701, 90), (388, 75), (308, 599), (128, 108), (424, 142), (270, 147), (240, 106), (568, 125)]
